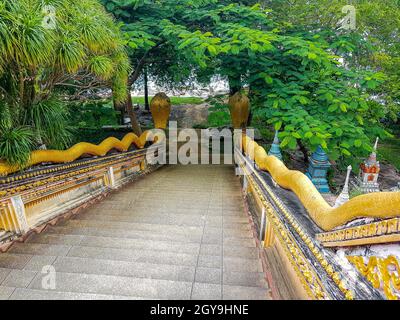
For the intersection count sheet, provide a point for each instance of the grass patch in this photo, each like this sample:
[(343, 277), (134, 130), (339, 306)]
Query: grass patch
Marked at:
[(390, 150), (391, 153), (176, 101)]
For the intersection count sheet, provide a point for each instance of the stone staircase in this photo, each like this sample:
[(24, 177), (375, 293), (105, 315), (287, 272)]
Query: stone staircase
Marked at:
[(180, 233)]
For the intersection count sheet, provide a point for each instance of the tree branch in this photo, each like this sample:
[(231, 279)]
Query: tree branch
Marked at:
[(139, 67)]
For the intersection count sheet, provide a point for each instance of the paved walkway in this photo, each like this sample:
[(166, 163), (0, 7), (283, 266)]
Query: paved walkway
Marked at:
[(180, 233)]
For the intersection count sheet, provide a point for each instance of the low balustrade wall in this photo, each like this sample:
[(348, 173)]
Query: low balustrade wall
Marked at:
[(46, 194), (311, 271)]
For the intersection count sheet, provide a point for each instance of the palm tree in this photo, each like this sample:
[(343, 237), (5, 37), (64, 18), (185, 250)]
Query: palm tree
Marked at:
[(44, 52)]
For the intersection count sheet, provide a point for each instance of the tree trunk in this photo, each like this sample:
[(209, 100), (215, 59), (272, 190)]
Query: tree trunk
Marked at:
[(118, 107), (303, 150), (250, 119), (146, 91), (251, 97), (235, 85), (134, 122), (127, 107)]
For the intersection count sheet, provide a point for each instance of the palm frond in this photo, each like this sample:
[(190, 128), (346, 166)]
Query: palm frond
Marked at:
[(16, 145), (49, 121), (102, 67)]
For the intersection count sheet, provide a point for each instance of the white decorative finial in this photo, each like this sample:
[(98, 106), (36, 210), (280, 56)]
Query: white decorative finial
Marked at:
[(276, 138), (376, 144), (372, 157), (344, 196), (346, 184)]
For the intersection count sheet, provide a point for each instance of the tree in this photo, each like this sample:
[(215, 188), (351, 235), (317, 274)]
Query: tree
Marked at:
[(373, 45), (296, 82), (44, 52), (149, 47), (295, 76)]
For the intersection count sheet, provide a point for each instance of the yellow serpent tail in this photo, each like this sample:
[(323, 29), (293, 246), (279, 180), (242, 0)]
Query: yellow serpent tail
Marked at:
[(374, 205), (79, 149)]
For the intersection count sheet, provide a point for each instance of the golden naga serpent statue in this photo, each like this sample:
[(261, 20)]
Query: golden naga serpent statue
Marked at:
[(374, 205), (76, 151)]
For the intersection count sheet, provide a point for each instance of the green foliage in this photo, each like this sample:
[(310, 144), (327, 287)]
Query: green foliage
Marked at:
[(219, 114), (83, 39), (390, 150), (102, 66), (305, 76), (339, 108), (373, 45), (41, 64), (16, 144), (49, 121), (92, 114), (96, 136), (328, 108), (176, 39)]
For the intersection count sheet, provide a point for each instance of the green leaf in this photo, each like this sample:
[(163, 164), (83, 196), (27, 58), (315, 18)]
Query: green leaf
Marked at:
[(303, 100), (268, 80), (312, 56), (332, 108), (212, 50), (339, 132), (315, 140), (343, 107), (360, 119), (292, 144), (372, 84), (357, 143), (345, 152), (285, 141), (296, 135), (278, 125), (328, 97), (308, 135), (345, 145)]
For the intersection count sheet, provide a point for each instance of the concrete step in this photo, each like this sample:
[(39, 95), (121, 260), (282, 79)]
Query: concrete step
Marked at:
[(144, 235), (32, 294), (14, 261), (160, 230), (117, 285), (28, 250), (244, 293), (40, 249), (245, 279), (33, 256), (228, 221), (140, 244), (142, 256), (61, 239), (125, 268), (127, 226), (121, 243), (207, 291), (218, 220), (218, 276)]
